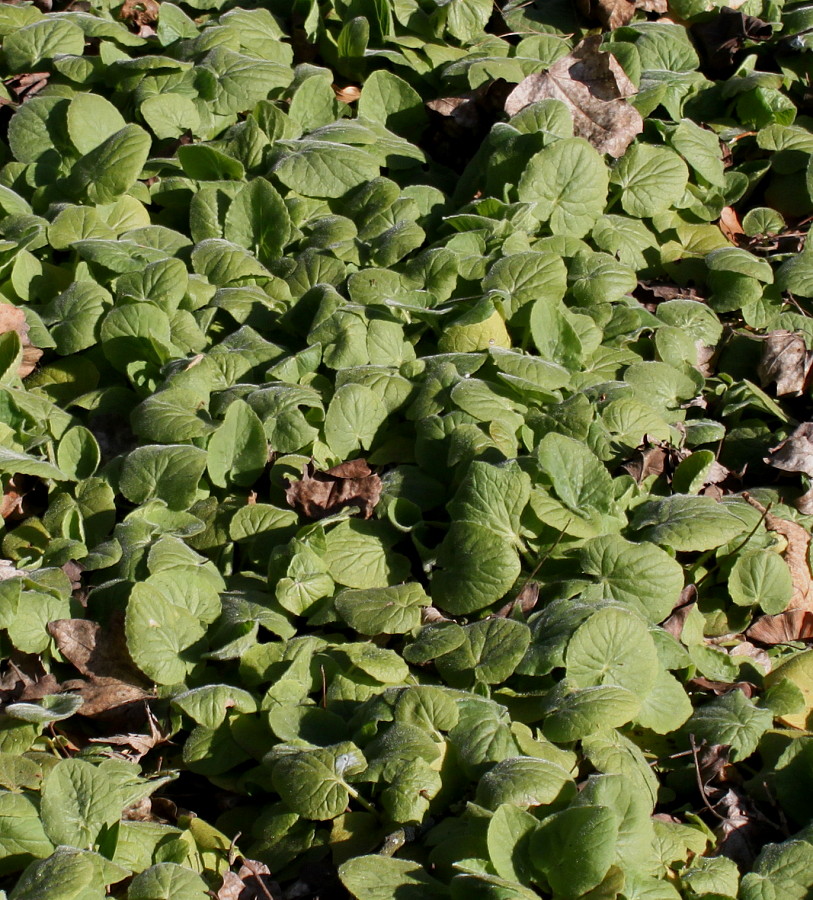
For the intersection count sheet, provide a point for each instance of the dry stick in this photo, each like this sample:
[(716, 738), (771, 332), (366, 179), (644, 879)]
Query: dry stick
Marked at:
[(700, 786)]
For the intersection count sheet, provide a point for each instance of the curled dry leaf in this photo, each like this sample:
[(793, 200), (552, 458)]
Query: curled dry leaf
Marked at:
[(594, 88), (12, 318), (348, 94), (525, 601), (791, 625), (136, 746), (320, 494), (251, 882), (730, 225), (795, 453), (611, 13), (785, 362), (719, 39)]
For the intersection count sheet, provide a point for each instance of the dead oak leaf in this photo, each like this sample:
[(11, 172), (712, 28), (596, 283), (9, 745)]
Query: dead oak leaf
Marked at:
[(320, 494), (785, 362), (594, 88), (611, 13), (12, 318)]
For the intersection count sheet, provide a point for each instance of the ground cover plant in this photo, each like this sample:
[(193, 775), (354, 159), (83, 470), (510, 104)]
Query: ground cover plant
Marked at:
[(405, 449)]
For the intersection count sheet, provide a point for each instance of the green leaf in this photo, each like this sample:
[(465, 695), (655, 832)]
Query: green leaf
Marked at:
[(390, 610), (384, 877), (686, 523), (91, 120), (651, 179), (358, 555), (105, 173), (613, 647), (525, 782), (258, 220), (325, 169), (170, 472), (312, 782), (508, 844), (352, 420), (761, 577), (162, 638), (731, 719), (78, 804), (40, 42), (21, 833), (576, 714), (237, 452), (167, 881), (574, 848), (640, 575), (567, 182)]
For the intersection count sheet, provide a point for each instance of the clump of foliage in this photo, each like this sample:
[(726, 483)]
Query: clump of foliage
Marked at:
[(404, 449)]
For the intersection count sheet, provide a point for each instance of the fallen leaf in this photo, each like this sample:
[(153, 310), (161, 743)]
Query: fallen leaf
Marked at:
[(795, 557), (12, 318), (96, 652), (785, 362), (320, 494), (26, 680), (458, 125), (7, 570), (718, 688), (721, 38), (251, 882), (348, 94), (783, 628), (594, 88), (611, 13), (140, 12), (730, 225), (795, 453), (28, 85), (136, 745), (104, 695), (525, 601), (11, 502)]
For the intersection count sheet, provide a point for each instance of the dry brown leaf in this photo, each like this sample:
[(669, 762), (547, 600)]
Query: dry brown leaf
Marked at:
[(594, 88), (12, 318), (251, 882), (795, 556), (102, 696), (791, 625), (140, 12), (320, 494), (28, 85), (720, 38), (136, 745), (348, 94), (525, 601), (611, 13), (795, 453), (785, 362), (730, 225), (458, 125), (95, 651)]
